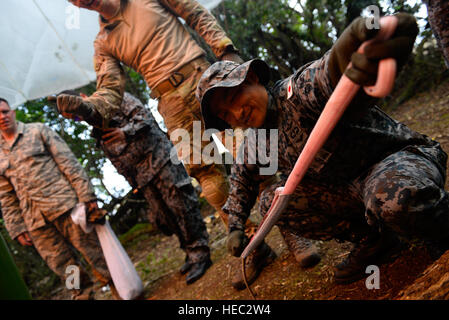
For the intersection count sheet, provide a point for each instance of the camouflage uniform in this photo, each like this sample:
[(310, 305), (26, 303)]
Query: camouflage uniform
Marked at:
[(372, 173), (40, 182), (439, 21), (147, 36), (144, 160)]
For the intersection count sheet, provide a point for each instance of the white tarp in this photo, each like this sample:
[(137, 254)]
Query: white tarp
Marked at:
[(47, 47)]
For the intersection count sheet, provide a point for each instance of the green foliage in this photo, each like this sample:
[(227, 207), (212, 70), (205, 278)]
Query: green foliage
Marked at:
[(136, 85), (136, 232), (424, 71), (286, 35)]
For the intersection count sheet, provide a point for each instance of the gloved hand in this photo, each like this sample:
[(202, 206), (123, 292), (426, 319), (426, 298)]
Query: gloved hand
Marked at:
[(236, 242), (73, 107), (95, 214), (364, 66)]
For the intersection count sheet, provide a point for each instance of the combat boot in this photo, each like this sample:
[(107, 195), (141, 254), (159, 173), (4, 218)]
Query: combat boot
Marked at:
[(186, 266), (262, 256), (197, 270), (304, 251), (373, 250), (196, 264)]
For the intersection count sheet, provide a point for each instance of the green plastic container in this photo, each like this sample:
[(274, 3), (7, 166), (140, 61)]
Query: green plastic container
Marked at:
[(12, 286)]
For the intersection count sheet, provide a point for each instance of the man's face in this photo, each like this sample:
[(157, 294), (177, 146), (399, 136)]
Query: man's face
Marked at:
[(7, 118), (243, 106)]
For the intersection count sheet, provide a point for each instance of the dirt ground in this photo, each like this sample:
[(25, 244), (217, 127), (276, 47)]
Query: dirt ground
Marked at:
[(157, 258)]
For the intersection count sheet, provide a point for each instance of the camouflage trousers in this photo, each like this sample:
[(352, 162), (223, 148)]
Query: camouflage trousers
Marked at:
[(439, 21), (55, 242), (181, 110), (173, 208), (404, 193)]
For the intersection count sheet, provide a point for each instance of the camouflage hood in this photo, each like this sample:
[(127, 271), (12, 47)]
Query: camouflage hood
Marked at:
[(226, 74)]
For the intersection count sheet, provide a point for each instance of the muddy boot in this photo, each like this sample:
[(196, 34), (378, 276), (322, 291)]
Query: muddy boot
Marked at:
[(254, 264), (373, 250), (199, 260), (304, 251)]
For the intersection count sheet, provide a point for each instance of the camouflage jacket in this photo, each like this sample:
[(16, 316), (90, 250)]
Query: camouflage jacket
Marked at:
[(146, 149), (364, 136), (40, 179), (147, 36)]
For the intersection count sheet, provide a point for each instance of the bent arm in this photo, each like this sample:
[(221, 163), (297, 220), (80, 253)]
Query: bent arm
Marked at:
[(110, 84), (203, 22)]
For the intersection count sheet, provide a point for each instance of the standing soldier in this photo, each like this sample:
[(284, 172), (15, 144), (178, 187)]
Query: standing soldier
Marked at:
[(140, 151), (41, 181), (439, 21), (148, 36)]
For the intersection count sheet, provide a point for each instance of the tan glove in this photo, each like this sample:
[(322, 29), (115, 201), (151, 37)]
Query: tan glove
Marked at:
[(76, 108), (364, 66)]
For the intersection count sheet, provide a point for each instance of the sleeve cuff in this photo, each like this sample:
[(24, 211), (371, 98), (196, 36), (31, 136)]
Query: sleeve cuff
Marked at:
[(17, 231)]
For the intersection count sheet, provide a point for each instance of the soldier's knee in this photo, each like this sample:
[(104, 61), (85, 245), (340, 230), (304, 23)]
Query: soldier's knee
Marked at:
[(411, 207), (215, 188)]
